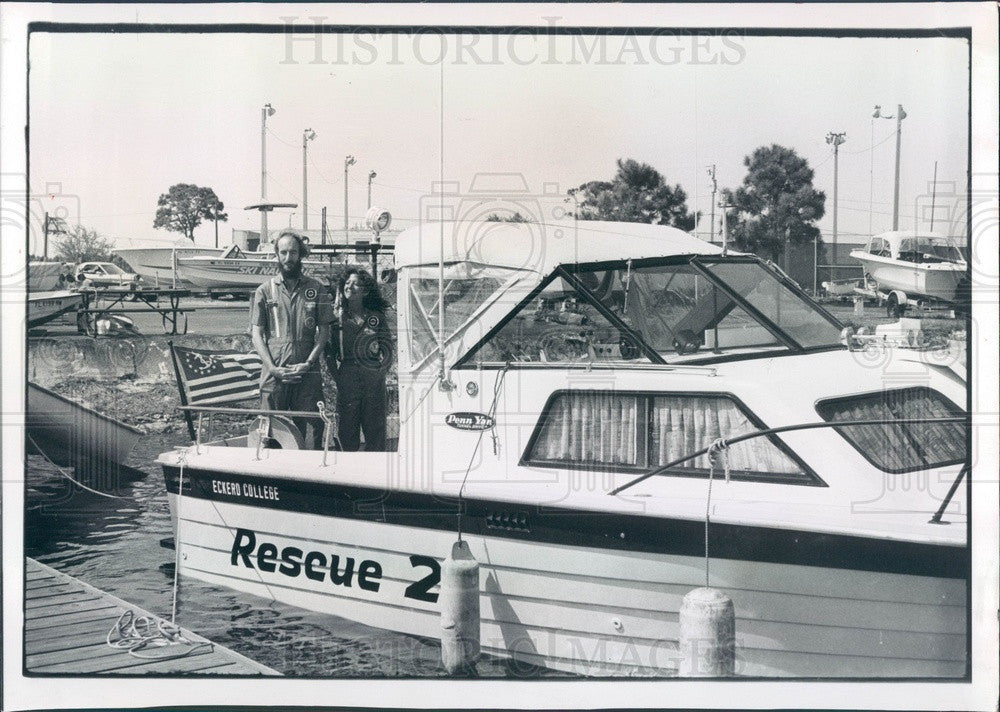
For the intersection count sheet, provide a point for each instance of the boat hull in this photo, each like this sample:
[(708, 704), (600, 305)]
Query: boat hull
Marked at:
[(590, 593), (239, 273), (44, 307), (938, 281), (70, 434), (156, 264)]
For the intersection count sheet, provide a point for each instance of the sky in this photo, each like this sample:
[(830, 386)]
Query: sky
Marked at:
[(116, 119)]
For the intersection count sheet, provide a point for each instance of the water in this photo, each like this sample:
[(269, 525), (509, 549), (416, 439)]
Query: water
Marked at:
[(114, 544)]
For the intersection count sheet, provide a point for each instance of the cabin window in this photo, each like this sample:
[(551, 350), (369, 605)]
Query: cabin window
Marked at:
[(896, 446), (465, 291), (644, 431), (558, 326), (879, 247)]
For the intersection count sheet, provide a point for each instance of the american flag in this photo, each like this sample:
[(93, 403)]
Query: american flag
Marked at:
[(218, 376)]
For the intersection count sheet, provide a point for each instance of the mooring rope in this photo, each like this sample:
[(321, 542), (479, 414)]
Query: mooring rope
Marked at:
[(716, 452), (181, 460), (135, 633), (70, 477), (497, 388)]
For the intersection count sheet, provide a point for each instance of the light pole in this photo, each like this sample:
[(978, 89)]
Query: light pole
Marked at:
[(900, 115), (348, 162), (371, 177), (307, 135), (266, 111), (715, 188), (834, 139)]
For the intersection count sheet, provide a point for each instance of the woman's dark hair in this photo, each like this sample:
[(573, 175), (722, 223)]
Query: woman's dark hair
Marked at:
[(373, 299)]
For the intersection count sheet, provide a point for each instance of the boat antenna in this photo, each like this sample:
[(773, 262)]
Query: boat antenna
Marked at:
[(443, 383)]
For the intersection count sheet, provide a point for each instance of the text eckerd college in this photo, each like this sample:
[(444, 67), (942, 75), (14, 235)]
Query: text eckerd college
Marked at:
[(311, 41)]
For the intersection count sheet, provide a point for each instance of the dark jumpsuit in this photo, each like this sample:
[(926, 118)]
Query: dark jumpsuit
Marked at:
[(288, 320), (363, 348)]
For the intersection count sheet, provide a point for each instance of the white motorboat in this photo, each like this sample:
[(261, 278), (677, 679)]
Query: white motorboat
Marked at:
[(44, 307), (157, 265), (918, 264), (580, 366), (237, 269)]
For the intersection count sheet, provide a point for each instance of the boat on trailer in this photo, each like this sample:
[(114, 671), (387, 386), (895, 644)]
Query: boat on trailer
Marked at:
[(560, 386), (237, 269), (908, 266)]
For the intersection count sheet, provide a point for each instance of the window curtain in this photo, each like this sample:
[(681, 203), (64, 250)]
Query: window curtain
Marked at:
[(591, 428), (680, 425), (898, 447)]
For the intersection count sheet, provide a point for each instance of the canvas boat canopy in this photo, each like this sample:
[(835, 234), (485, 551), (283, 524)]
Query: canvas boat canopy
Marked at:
[(541, 247)]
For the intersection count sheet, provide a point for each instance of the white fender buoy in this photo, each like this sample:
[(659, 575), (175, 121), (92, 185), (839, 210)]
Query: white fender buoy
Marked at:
[(707, 634), (459, 599)]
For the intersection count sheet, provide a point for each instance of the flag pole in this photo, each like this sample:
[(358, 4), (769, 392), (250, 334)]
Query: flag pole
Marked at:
[(181, 390)]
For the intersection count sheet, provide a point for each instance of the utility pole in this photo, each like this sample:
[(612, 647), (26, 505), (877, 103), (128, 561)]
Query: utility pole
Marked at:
[(900, 115), (307, 135), (215, 219), (715, 187), (322, 237), (371, 177), (348, 162), (57, 226), (933, 196), (835, 139), (45, 240), (266, 111)]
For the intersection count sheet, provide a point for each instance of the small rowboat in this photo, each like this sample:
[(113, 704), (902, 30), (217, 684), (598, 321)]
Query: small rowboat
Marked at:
[(69, 433)]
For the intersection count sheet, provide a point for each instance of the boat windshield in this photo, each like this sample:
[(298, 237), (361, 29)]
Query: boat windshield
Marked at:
[(659, 313), (930, 249)]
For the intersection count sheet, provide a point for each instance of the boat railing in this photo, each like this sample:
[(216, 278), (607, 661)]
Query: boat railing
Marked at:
[(264, 426), (720, 444)]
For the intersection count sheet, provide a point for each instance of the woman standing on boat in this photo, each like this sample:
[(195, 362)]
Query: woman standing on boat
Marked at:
[(359, 357)]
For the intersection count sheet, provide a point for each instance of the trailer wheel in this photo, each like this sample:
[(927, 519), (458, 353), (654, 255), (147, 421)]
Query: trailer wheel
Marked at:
[(893, 308)]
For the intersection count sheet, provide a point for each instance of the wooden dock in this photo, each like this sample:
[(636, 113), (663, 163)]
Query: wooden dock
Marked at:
[(66, 624)]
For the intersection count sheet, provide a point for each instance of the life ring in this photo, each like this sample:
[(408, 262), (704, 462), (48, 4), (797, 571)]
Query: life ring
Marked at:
[(283, 434)]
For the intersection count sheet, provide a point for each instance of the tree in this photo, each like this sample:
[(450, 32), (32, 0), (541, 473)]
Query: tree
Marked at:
[(83, 245), (776, 204), (636, 193), (515, 218), (184, 206)]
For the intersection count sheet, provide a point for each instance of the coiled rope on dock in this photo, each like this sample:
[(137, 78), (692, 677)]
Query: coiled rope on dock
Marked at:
[(137, 633)]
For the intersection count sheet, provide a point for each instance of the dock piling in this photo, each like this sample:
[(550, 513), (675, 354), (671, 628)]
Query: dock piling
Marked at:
[(707, 634)]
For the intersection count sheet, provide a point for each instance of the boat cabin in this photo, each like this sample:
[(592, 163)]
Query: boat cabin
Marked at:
[(922, 248)]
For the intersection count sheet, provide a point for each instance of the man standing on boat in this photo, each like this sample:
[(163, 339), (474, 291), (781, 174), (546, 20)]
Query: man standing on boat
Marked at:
[(290, 319)]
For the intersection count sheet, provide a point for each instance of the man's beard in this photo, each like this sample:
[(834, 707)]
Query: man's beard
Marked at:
[(291, 271)]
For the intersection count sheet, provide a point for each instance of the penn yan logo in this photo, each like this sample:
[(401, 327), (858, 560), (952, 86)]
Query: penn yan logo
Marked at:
[(470, 421)]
